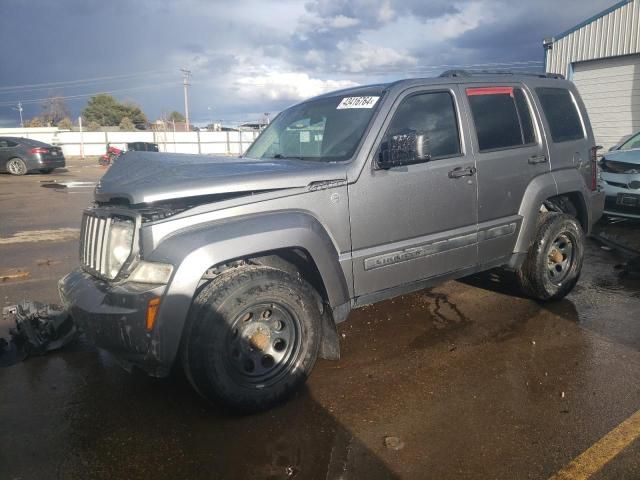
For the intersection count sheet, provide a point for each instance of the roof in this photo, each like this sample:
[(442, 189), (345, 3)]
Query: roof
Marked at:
[(592, 19), (444, 79)]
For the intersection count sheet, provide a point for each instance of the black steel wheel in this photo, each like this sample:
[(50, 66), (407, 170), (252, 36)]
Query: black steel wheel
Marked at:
[(554, 260), (252, 337), (16, 166)]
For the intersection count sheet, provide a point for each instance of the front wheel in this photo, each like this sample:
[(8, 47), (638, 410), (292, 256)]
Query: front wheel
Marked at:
[(252, 337), (554, 260)]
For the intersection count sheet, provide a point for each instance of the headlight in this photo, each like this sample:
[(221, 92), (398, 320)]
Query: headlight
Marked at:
[(151, 272), (120, 243)]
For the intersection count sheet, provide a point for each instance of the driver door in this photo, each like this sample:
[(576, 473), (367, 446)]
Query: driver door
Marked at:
[(418, 220)]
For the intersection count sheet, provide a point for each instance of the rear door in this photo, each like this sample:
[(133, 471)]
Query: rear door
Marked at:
[(509, 154)]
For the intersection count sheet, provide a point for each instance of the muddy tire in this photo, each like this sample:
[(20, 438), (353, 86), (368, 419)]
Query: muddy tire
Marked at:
[(252, 337), (554, 261), (16, 166)]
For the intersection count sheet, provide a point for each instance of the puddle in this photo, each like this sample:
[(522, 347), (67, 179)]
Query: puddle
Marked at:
[(67, 185)]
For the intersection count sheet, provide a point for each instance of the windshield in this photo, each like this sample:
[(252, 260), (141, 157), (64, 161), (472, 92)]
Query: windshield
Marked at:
[(328, 129), (633, 142)]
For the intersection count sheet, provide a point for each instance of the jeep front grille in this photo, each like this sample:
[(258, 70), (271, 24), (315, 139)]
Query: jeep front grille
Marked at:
[(94, 243), (107, 242)]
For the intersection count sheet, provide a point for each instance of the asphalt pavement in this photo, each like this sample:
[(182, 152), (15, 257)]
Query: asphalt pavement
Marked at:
[(467, 380)]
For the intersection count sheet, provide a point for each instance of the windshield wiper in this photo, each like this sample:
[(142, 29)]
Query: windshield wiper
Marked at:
[(279, 156)]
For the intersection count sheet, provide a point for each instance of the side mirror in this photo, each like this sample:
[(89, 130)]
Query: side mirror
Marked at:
[(403, 149)]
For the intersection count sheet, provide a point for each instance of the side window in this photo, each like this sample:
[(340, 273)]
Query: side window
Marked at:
[(633, 142), (11, 144), (432, 115), (561, 113), (3, 144), (501, 116)]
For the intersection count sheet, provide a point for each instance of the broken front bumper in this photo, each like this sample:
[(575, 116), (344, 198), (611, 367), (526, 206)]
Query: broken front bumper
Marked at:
[(114, 318), (623, 194)]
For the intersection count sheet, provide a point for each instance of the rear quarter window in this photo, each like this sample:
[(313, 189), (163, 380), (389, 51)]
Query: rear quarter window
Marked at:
[(562, 115)]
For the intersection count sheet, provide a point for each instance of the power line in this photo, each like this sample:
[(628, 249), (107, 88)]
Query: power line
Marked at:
[(85, 95), (80, 81), (91, 84)]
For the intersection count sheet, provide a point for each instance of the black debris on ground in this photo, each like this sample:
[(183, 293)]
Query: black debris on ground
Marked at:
[(33, 328)]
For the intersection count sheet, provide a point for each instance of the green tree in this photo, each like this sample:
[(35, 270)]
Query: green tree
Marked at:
[(176, 116), (65, 123), (126, 124), (93, 126), (106, 110)]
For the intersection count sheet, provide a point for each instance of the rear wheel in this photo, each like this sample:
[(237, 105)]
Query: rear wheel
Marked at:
[(16, 166), (252, 337), (554, 261)]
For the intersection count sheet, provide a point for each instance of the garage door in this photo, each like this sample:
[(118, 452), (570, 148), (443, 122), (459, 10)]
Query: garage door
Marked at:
[(610, 89)]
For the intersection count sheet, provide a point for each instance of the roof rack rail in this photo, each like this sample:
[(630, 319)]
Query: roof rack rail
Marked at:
[(467, 73), (456, 73)]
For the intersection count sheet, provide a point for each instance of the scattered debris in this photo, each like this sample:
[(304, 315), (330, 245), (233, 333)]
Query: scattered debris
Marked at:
[(393, 443), (612, 243), (562, 395), (39, 328), (632, 268), (13, 274), (47, 263)]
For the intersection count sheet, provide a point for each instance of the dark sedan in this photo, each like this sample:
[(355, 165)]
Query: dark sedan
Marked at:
[(19, 156)]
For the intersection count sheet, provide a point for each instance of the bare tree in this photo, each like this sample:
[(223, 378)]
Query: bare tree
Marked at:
[(54, 110)]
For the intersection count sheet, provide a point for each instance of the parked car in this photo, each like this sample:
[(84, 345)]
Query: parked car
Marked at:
[(620, 178), (628, 143), (240, 269), (19, 156)]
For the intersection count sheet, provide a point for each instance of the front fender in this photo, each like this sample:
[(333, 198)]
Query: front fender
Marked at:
[(193, 251)]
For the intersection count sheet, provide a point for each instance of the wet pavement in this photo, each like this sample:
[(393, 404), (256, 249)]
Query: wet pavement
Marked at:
[(474, 381)]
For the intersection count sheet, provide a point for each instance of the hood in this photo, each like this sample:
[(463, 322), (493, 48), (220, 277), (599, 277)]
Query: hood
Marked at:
[(623, 156), (146, 177)]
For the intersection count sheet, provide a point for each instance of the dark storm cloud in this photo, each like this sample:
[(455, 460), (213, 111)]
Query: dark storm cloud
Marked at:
[(517, 34), (229, 44)]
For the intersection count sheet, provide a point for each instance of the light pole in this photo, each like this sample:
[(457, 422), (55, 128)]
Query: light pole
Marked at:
[(213, 123), (19, 109), (185, 83)]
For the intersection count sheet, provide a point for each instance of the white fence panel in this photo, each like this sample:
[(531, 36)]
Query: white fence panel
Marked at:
[(125, 137), (95, 143)]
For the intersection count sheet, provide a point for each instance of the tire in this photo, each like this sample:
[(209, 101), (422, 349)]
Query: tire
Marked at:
[(554, 260), (46, 170), (16, 166), (252, 337)]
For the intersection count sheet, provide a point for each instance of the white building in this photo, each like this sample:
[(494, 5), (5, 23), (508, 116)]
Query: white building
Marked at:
[(602, 57)]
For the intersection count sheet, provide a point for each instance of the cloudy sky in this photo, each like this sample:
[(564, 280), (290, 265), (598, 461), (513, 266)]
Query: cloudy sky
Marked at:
[(253, 56)]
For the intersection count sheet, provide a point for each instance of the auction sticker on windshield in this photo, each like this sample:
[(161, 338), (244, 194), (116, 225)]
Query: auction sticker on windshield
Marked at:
[(357, 102)]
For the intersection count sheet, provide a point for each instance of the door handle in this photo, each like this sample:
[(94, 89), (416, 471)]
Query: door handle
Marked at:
[(462, 172), (537, 159)]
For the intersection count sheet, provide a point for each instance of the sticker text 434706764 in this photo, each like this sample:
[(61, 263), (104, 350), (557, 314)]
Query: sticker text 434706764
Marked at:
[(357, 102)]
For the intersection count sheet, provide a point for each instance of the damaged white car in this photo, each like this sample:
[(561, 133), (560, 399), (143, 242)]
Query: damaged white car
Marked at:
[(620, 179)]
